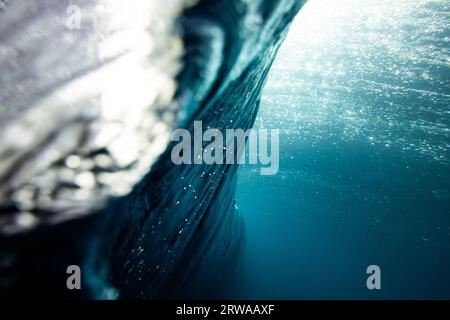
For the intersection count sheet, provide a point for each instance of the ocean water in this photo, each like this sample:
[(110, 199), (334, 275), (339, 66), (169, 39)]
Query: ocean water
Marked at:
[(360, 91)]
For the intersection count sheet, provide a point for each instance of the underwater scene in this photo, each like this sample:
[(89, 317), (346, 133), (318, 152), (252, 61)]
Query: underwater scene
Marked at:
[(217, 150), (361, 93)]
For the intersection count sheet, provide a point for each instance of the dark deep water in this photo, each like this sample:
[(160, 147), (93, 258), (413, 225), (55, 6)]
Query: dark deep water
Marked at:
[(360, 93)]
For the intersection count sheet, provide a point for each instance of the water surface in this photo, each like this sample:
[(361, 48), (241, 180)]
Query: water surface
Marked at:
[(360, 92)]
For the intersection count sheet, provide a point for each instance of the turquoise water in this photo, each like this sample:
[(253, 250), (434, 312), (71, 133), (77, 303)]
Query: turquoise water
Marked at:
[(360, 92)]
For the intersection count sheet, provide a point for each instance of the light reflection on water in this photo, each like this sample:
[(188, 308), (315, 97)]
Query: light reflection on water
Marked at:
[(378, 70)]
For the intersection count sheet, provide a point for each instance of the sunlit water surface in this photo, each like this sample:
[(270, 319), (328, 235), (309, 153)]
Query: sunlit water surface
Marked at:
[(360, 92)]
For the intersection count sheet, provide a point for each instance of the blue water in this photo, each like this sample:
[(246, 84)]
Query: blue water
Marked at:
[(360, 93)]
